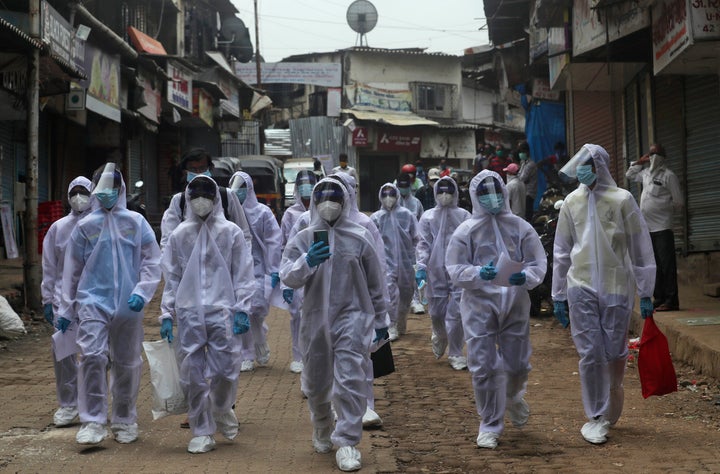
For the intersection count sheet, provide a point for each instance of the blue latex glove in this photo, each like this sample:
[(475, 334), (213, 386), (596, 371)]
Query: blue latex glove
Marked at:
[(646, 307), (517, 279), (136, 303), (420, 276), (241, 323), (488, 272), (381, 334), (274, 279), (317, 254), (561, 314), (166, 330), (288, 295), (63, 324), (48, 312)]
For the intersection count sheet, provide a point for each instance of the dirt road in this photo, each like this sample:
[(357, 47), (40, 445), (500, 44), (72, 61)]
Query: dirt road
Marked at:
[(428, 410)]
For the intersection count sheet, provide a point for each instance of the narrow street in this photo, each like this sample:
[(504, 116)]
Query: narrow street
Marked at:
[(428, 410)]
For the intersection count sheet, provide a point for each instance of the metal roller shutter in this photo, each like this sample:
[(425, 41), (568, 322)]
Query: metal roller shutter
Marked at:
[(7, 163), (593, 121), (669, 132), (702, 101), (632, 140)]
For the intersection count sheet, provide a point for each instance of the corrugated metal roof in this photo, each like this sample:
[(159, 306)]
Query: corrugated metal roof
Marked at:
[(406, 119), (367, 49), (278, 142)]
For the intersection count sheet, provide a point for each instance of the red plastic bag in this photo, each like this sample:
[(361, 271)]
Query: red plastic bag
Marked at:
[(657, 374)]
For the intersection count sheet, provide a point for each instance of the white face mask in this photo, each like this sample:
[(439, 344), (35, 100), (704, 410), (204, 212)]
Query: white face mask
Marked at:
[(79, 202), (389, 201), (329, 210), (656, 161), (444, 199), (201, 206)]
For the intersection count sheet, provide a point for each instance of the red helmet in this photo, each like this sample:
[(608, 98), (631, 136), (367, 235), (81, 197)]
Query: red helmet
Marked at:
[(408, 169)]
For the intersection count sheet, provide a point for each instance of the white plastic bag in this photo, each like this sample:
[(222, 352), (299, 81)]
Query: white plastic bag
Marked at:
[(168, 397), (10, 323)]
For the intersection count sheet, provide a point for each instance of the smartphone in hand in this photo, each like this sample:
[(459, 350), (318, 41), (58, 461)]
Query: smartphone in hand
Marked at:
[(321, 236)]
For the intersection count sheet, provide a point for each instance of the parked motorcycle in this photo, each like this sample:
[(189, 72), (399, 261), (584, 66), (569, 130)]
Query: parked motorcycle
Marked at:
[(135, 199), (545, 223)]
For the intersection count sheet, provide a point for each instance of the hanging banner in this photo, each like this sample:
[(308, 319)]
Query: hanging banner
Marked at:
[(317, 74), (360, 136), (375, 98), (203, 106), (103, 86), (398, 140), (179, 89), (670, 32)]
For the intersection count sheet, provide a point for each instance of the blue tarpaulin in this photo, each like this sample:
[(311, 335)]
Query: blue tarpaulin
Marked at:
[(544, 126)]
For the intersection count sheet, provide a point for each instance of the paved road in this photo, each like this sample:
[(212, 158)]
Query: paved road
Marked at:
[(428, 409)]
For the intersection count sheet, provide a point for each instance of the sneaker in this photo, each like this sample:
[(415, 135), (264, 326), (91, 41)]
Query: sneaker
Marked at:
[(125, 432), (393, 332), (262, 354), (458, 362), (487, 440), (321, 439), (247, 365), (348, 458), (296, 366), (227, 424), (371, 419), (417, 308), (201, 444), (65, 415), (438, 345), (595, 431), (518, 412), (91, 433)]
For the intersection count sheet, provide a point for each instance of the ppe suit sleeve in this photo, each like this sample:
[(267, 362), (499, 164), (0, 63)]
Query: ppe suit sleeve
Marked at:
[(375, 284), (49, 267), (286, 226), (534, 257), (294, 269), (149, 263), (242, 275), (237, 215), (424, 244), (640, 249), (272, 238), (459, 260), (564, 240), (172, 273), (73, 266), (170, 220)]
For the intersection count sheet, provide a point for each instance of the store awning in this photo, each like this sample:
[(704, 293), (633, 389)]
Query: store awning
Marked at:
[(15, 39), (400, 120)]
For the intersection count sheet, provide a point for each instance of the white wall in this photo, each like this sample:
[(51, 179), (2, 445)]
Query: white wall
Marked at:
[(477, 106)]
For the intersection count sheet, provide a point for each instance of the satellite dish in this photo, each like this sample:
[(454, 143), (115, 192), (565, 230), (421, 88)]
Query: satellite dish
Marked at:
[(362, 18), (236, 39)]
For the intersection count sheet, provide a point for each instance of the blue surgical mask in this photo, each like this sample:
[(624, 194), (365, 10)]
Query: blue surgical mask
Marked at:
[(107, 197), (305, 190), (585, 174), (241, 194), (492, 202), (523, 156), (190, 175), (404, 191)]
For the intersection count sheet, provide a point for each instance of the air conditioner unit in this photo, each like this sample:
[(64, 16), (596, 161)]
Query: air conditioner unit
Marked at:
[(75, 99)]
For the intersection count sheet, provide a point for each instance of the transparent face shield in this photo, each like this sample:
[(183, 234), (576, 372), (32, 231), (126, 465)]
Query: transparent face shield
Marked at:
[(490, 196), (201, 187), (237, 183), (106, 178), (568, 173)]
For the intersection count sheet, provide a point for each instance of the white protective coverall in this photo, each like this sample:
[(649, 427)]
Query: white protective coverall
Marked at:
[(344, 302), (602, 251), (436, 226), (266, 245), (53, 260), (111, 255), (398, 228), (496, 318), (173, 216), (208, 275), (413, 204), (516, 195)]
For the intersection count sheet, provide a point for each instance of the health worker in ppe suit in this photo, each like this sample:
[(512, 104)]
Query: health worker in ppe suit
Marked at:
[(53, 259), (197, 162), (209, 284), (304, 183), (112, 268), (436, 227), (398, 228), (266, 245), (344, 301), (602, 251), (495, 306)]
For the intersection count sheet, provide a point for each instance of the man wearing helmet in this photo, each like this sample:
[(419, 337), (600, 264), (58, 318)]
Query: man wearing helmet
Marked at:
[(415, 182)]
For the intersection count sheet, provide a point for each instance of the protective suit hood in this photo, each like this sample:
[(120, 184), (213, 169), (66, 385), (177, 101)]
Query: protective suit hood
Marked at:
[(317, 221), (251, 199), (121, 202), (217, 203), (455, 195), (85, 183), (600, 159), (349, 182), (478, 210), (397, 193)]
